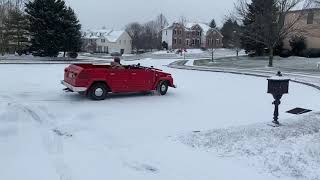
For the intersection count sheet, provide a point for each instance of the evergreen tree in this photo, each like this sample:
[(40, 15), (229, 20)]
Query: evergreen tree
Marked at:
[(213, 24), (249, 27), (3, 40), (16, 29), (71, 32), (164, 45), (4, 7), (264, 25), (229, 30), (53, 27)]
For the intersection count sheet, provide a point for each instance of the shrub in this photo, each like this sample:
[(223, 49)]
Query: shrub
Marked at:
[(278, 49), (203, 48), (311, 53), (285, 53), (297, 44), (72, 55)]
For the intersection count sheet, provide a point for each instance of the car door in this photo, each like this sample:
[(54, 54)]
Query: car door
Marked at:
[(140, 80), (118, 80)]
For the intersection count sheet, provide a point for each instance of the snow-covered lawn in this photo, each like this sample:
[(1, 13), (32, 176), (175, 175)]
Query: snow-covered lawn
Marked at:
[(48, 134), (162, 52), (220, 52)]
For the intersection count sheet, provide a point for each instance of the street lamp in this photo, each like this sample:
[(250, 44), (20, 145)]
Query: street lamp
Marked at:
[(277, 86)]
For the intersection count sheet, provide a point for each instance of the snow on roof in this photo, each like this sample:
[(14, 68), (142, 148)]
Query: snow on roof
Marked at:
[(188, 26), (306, 4), (203, 26), (113, 36), (110, 35), (168, 27)]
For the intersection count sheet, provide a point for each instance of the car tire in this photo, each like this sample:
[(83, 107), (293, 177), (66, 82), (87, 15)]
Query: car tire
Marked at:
[(98, 92), (162, 88)]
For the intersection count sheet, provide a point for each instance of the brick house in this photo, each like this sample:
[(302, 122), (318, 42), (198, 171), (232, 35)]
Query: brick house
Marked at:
[(308, 25), (191, 36)]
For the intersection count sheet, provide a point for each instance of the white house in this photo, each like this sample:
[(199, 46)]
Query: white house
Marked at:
[(107, 41)]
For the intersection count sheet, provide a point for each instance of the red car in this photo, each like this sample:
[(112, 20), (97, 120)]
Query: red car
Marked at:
[(96, 81)]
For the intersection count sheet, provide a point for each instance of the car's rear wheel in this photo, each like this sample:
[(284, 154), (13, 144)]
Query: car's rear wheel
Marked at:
[(98, 92), (162, 88)]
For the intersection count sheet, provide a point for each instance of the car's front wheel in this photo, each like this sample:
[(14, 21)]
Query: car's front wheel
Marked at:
[(162, 88), (98, 92)]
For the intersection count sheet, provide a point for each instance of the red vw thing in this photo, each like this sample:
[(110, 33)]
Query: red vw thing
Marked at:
[(96, 81)]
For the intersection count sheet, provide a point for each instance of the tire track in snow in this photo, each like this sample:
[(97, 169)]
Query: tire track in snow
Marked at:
[(52, 139)]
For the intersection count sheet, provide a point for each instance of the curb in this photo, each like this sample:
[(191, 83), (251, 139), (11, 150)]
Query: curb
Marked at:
[(265, 74)]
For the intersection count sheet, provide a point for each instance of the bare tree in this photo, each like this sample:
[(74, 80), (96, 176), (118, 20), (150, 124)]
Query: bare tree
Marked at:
[(135, 30), (273, 26), (7, 6), (183, 20), (150, 36), (235, 42), (161, 22)]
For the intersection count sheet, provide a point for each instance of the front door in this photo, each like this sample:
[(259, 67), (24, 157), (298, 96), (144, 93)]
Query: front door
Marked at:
[(140, 80), (122, 51), (118, 80)]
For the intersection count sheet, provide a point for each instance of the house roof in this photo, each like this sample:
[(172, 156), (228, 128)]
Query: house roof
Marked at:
[(306, 5), (205, 27), (110, 35)]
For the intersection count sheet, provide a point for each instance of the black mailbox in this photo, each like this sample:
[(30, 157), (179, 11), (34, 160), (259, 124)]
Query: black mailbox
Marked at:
[(277, 86)]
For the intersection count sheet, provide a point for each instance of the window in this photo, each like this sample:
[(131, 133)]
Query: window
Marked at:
[(187, 42), (166, 32), (179, 41), (174, 41), (310, 18), (217, 41), (197, 42), (103, 40), (174, 32), (100, 49), (120, 42), (125, 42)]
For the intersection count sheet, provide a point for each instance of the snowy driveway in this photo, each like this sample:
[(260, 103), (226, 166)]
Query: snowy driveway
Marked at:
[(48, 134)]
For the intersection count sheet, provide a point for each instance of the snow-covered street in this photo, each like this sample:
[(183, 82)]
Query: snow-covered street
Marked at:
[(46, 133)]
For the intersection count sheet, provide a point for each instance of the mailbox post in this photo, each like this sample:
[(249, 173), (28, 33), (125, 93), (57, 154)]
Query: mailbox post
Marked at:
[(277, 86)]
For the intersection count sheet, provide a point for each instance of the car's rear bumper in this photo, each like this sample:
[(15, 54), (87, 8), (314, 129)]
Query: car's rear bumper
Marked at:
[(73, 88)]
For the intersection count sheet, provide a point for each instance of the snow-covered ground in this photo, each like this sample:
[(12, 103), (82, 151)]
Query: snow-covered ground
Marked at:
[(48, 134), (220, 53), (162, 52), (188, 51)]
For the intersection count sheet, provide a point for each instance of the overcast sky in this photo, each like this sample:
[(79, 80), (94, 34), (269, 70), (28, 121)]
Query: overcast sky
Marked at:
[(117, 13)]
